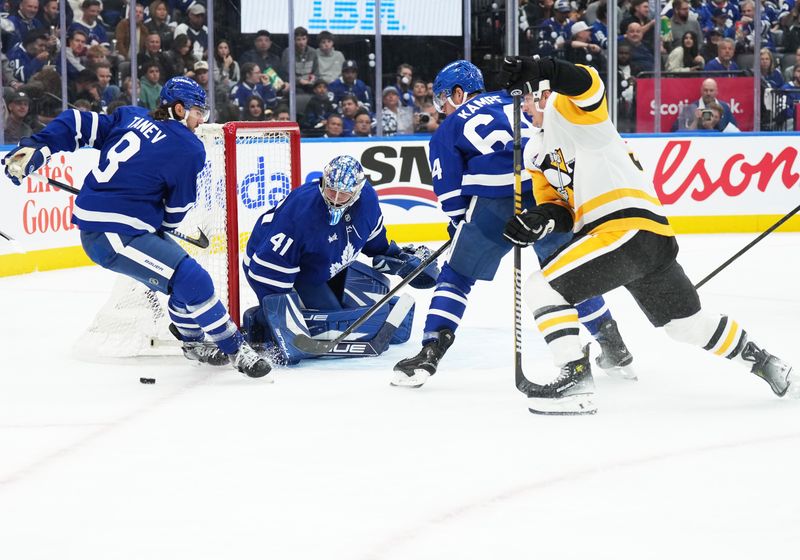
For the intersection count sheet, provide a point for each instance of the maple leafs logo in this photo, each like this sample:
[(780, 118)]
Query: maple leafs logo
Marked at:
[(348, 255)]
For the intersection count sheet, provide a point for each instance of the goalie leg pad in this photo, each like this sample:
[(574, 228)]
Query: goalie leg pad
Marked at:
[(284, 321), (363, 286), (329, 324), (316, 296), (280, 319)]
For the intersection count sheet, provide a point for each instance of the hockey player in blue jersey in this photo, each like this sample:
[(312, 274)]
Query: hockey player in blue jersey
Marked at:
[(472, 166), (143, 186), (301, 263)]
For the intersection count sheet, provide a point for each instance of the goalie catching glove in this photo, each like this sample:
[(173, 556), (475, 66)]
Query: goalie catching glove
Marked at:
[(24, 160), (402, 261)]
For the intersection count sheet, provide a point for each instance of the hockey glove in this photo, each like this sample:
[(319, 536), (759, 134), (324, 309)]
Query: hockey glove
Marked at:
[(528, 227), (402, 261), (520, 74), (24, 160)]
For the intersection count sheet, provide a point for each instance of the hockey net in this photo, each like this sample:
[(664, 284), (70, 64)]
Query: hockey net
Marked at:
[(249, 168)]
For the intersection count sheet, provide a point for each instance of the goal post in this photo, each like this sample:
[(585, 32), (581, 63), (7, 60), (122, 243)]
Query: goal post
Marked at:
[(250, 167), (239, 134)]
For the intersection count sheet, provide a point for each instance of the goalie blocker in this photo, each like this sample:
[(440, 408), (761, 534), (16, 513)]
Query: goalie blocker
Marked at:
[(282, 317)]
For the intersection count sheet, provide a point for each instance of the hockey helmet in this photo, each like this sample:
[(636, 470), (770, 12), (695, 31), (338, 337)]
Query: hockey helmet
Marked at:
[(341, 184), (461, 73), (187, 91)]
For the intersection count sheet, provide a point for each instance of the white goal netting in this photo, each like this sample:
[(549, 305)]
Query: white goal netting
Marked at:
[(252, 165)]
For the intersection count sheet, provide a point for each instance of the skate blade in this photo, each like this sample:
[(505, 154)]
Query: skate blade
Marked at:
[(565, 406), (413, 382), (625, 372), (793, 391)]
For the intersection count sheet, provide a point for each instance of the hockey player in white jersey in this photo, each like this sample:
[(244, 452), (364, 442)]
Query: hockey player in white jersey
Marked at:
[(143, 186), (622, 238), (472, 167)]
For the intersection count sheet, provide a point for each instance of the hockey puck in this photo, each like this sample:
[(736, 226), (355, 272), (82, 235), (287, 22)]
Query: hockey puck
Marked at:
[(147, 380)]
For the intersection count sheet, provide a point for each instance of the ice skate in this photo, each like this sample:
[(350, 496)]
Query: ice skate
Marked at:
[(780, 375), (571, 393), (251, 364), (205, 353), (414, 372), (614, 358), (200, 351)]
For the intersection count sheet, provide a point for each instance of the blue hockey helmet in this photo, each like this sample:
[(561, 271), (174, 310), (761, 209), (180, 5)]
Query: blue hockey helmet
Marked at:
[(187, 91), (461, 73), (341, 184)]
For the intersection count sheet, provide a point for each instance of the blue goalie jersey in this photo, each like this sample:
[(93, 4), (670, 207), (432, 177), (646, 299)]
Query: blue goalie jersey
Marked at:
[(471, 153), (293, 242), (146, 179)]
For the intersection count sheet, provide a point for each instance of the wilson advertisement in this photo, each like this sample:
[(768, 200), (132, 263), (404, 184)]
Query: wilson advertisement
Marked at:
[(718, 183)]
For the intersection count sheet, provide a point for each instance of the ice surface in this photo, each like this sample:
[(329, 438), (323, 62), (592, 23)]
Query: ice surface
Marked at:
[(696, 459)]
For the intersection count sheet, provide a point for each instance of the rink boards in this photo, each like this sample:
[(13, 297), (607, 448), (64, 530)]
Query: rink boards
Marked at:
[(709, 183)]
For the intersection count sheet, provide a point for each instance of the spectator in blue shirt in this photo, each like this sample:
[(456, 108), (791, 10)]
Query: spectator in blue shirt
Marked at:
[(348, 107), (25, 20), (253, 83), (350, 84), (29, 56), (641, 54), (90, 24), (724, 59)]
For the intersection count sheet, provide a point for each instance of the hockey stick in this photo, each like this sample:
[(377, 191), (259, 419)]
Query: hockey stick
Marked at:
[(747, 247), (522, 382), (312, 346), (12, 242), (199, 241), (376, 345)]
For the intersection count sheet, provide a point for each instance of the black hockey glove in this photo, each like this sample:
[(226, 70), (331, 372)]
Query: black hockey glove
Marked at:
[(528, 227), (520, 75)]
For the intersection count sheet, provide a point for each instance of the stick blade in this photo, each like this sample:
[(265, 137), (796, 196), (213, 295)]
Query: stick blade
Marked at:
[(308, 345), (202, 240)]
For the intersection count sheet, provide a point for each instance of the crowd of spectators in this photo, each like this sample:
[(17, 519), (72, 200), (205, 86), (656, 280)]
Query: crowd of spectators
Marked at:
[(709, 38), (250, 77), (172, 36)]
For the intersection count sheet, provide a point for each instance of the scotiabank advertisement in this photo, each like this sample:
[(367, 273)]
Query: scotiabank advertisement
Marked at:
[(679, 93), (714, 183)]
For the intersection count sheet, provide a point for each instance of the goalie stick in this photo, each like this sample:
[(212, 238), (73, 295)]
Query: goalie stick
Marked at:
[(200, 241), (375, 345), (312, 346)]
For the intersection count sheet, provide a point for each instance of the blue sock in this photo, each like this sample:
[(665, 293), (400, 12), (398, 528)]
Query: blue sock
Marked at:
[(194, 305), (448, 303), (593, 313)]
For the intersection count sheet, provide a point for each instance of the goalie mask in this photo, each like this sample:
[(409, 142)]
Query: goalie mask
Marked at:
[(460, 73), (341, 184)]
